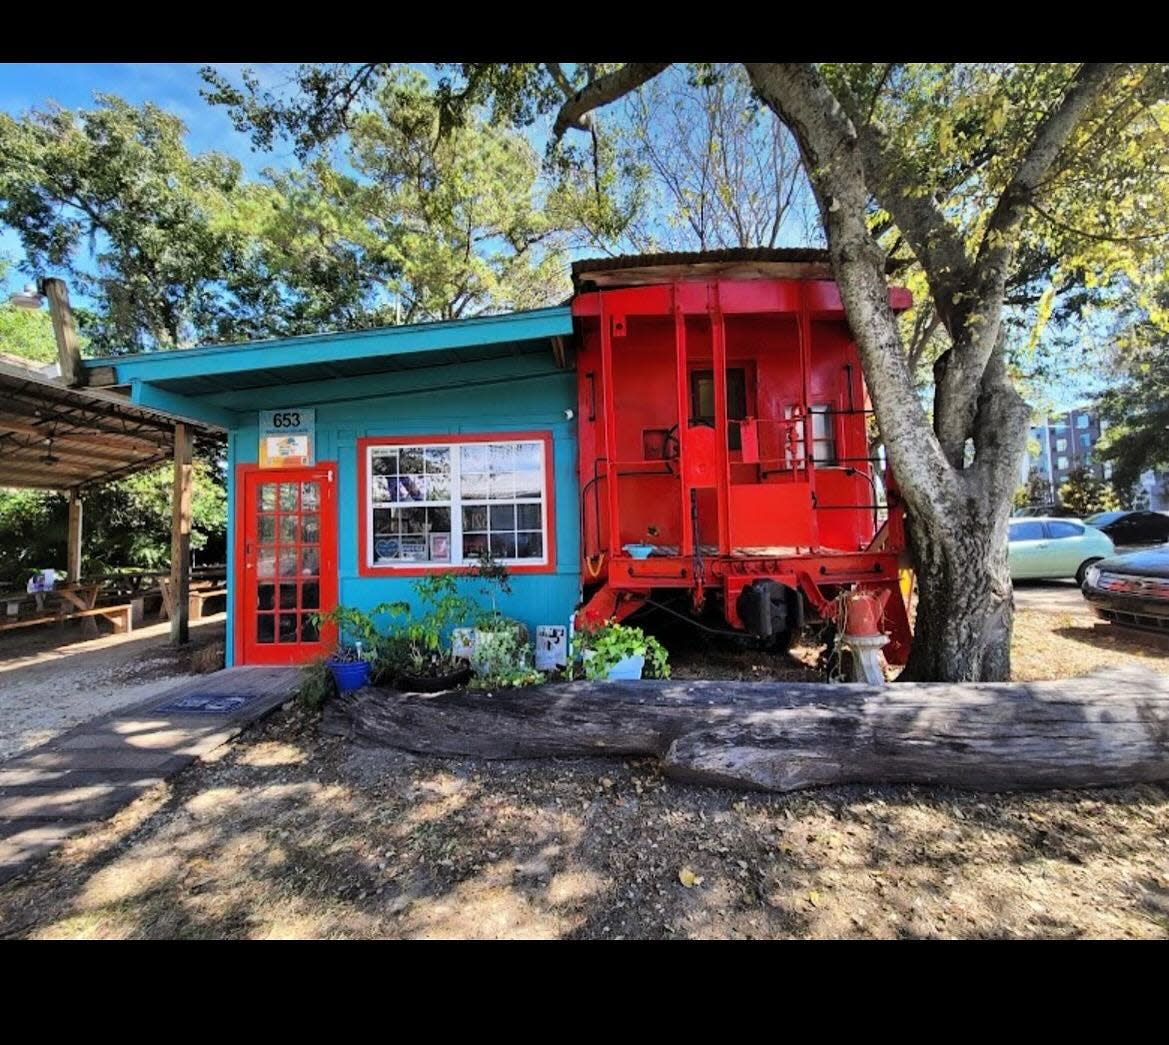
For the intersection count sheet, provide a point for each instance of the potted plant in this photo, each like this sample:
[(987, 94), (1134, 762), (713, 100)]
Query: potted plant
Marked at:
[(497, 638), (621, 651), (357, 645), (431, 663)]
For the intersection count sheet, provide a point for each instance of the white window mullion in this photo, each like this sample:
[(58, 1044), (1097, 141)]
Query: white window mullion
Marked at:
[(456, 504)]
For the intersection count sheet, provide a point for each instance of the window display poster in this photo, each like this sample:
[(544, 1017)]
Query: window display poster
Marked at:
[(287, 438)]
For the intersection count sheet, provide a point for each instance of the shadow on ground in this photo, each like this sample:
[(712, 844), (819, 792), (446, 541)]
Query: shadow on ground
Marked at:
[(291, 834)]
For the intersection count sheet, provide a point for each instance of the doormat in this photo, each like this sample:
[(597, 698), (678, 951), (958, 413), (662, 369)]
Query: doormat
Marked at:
[(206, 704)]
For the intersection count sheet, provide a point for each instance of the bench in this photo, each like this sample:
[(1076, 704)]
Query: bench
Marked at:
[(29, 621), (121, 617), (196, 599)]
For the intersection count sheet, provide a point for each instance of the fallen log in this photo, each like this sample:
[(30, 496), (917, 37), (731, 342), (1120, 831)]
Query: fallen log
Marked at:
[(1105, 729)]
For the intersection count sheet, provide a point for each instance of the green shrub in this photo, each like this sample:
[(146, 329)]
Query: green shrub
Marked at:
[(316, 685)]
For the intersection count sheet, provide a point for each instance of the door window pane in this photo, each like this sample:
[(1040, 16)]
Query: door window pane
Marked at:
[(310, 595), (267, 497), (308, 629), (266, 528), (288, 497), (265, 628)]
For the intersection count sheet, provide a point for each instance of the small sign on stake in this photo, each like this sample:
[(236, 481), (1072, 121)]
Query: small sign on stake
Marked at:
[(551, 647)]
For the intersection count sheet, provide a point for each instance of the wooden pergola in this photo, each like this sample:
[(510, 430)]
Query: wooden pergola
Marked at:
[(58, 434)]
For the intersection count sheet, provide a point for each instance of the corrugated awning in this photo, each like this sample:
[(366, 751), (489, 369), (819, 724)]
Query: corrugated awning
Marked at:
[(54, 437)]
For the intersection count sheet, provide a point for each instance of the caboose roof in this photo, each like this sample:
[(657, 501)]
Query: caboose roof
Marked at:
[(638, 270)]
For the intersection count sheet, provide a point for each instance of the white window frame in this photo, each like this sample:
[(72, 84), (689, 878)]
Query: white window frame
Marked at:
[(456, 503)]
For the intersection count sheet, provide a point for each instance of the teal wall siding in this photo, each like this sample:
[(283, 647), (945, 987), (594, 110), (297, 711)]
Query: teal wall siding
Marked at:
[(526, 393)]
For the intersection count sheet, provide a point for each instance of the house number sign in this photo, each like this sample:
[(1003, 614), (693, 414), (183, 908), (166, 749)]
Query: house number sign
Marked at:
[(288, 438)]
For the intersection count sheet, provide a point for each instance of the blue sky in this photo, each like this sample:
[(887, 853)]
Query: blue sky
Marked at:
[(175, 87)]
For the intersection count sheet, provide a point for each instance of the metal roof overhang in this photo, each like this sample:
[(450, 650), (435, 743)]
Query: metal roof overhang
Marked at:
[(187, 382), (53, 437)]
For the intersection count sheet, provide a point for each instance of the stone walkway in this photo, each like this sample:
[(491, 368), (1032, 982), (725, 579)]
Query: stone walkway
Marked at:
[(89, 773)]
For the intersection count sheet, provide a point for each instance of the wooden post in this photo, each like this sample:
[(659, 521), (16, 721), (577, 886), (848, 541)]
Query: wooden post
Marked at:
[(180, 536), (73, 547), (65, 331)]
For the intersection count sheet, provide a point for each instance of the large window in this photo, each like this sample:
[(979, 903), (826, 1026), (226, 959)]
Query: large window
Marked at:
[(444, 504)]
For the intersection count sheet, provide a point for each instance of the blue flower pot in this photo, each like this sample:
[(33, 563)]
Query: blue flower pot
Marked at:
[(349, 675)]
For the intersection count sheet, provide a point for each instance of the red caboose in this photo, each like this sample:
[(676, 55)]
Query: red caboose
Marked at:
[(724, 450)]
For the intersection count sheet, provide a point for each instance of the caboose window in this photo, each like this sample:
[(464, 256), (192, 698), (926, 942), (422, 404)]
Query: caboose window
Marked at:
[(443, 504), (823, 437), (702, 400)]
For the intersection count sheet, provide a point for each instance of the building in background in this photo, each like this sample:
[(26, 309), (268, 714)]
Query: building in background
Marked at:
[(1155, 484), (1065, 442)]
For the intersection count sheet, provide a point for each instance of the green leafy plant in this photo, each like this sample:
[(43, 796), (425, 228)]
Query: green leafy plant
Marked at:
[(504, 659), (494, 580), (358, 636), (427, 636), (604, 646), (315, 685)]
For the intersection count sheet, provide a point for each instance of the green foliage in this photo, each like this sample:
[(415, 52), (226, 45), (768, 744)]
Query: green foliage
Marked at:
[(612, 642), (170, 248), (315, 685), (1136, 408), (503, 659), (494, 580), (1085, 494), (24, 332), (126, 523), (428, 635), (1035, 491), (358, 635)]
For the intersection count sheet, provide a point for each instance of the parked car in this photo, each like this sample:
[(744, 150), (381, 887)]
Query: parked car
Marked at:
[(1132, 527), (1045, 511), (1131, 589), (1053, 548)]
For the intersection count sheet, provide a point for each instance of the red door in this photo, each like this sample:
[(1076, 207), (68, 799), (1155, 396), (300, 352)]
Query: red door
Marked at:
[(287, 569)]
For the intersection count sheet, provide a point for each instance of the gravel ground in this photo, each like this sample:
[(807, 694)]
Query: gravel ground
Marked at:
[(48, 687)]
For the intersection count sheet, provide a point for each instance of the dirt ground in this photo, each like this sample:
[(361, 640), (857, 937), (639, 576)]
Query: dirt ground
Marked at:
[(290, 833), (47, 685)]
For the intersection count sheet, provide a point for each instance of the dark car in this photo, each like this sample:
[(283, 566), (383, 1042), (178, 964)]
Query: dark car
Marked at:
[(1131, 589), (1132, 527)]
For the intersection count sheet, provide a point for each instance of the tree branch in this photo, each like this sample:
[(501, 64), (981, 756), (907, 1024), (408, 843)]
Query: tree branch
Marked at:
[(576, 111)]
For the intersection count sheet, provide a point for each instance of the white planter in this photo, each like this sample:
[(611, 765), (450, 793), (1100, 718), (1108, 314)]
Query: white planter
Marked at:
[(626, 668)]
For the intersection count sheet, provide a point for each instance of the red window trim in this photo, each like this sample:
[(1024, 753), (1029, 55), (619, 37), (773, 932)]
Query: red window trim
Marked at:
[(363, 444)]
